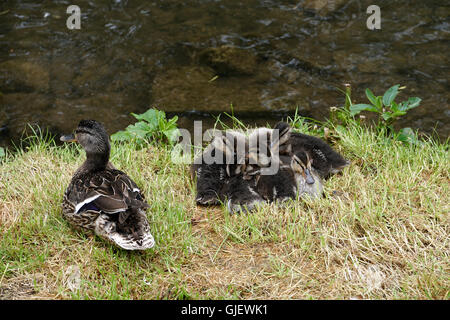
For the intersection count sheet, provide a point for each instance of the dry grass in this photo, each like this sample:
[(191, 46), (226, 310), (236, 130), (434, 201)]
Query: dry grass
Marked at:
[(382, 235)]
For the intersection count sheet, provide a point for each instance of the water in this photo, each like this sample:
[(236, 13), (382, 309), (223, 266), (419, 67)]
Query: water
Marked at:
[(196, 58)]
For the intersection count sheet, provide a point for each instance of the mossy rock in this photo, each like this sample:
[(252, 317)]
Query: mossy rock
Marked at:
[(23, 76), (230, 61), (323, 7)]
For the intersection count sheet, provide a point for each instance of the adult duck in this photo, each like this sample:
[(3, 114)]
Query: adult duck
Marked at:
[(102, 199)]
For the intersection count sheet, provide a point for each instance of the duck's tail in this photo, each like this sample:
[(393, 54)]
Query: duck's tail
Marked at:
[(130, 242), (134, 237)]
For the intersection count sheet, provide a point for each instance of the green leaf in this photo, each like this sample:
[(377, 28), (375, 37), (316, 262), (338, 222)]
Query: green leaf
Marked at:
[(414, 102), (390, 95), (151, 116), (379, 103), (371, 97), (2, 152), (409, 104), (357, 108), (152, 125), (173, 120), (172, 135), (394, 106), (386, 115), (408, 135), (398, 113), (140, 129), (121, 136)]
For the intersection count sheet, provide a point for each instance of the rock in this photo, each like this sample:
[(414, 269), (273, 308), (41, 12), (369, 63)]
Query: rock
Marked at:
[(23, 76), (323, 7), (120, 75), (73, 278), (230, 61), (190, 88)]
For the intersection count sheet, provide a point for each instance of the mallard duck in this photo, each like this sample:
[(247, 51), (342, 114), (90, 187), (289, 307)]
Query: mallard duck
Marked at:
[(240, 194), (216, 165), (295, 179), (102, 199), (325, 160), (309, 182)]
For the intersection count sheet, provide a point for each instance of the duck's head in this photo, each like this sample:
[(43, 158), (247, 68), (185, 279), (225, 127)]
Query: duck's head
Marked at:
[(301, 164), (94, 139), (279, 141)]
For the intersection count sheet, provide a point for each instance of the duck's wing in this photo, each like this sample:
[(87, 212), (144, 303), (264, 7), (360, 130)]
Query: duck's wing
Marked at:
[(120, 206), (108, 191)]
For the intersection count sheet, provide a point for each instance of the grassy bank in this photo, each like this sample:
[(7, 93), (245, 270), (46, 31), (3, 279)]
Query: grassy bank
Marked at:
[(381, 232)]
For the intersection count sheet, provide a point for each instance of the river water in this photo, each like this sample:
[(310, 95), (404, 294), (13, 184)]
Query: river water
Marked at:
[(197, 58)]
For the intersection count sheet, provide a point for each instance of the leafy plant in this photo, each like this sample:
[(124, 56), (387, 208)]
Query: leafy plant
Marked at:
[(2, 152), (388, 110), (152, 126)]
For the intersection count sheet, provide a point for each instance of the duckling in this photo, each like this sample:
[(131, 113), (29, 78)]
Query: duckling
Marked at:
[(325, 159), (295, 179), (240, 194), (264, 143), (280, 186), (102, 199), (251, 184), (309, 182), (216, 164)]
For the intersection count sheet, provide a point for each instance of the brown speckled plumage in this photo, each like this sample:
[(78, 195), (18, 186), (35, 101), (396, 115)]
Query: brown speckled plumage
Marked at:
[(104, 200)]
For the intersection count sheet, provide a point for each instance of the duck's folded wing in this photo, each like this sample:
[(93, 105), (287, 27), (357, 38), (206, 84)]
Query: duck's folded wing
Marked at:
[(111, 193)]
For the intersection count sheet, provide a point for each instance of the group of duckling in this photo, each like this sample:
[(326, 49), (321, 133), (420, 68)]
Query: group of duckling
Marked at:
[(104, 200), (299, 163)]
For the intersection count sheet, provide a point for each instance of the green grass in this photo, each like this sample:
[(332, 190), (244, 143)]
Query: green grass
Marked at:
[(385, 235)]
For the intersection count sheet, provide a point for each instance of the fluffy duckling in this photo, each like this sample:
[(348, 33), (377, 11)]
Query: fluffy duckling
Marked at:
[(102, 199), (280, 186), (295, 179), (216, 165), (325, 159), (264, 144), (240, 194), (309, 182)]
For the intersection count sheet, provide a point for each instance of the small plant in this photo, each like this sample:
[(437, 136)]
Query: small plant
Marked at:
[(152, 126), (2, 152), (387, 109)]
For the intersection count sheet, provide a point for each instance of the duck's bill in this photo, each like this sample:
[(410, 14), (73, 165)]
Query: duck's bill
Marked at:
[(68, 138), (309, 177)]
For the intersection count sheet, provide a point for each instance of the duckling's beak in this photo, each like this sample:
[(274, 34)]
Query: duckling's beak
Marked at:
[(309, 177), (68, 138)]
